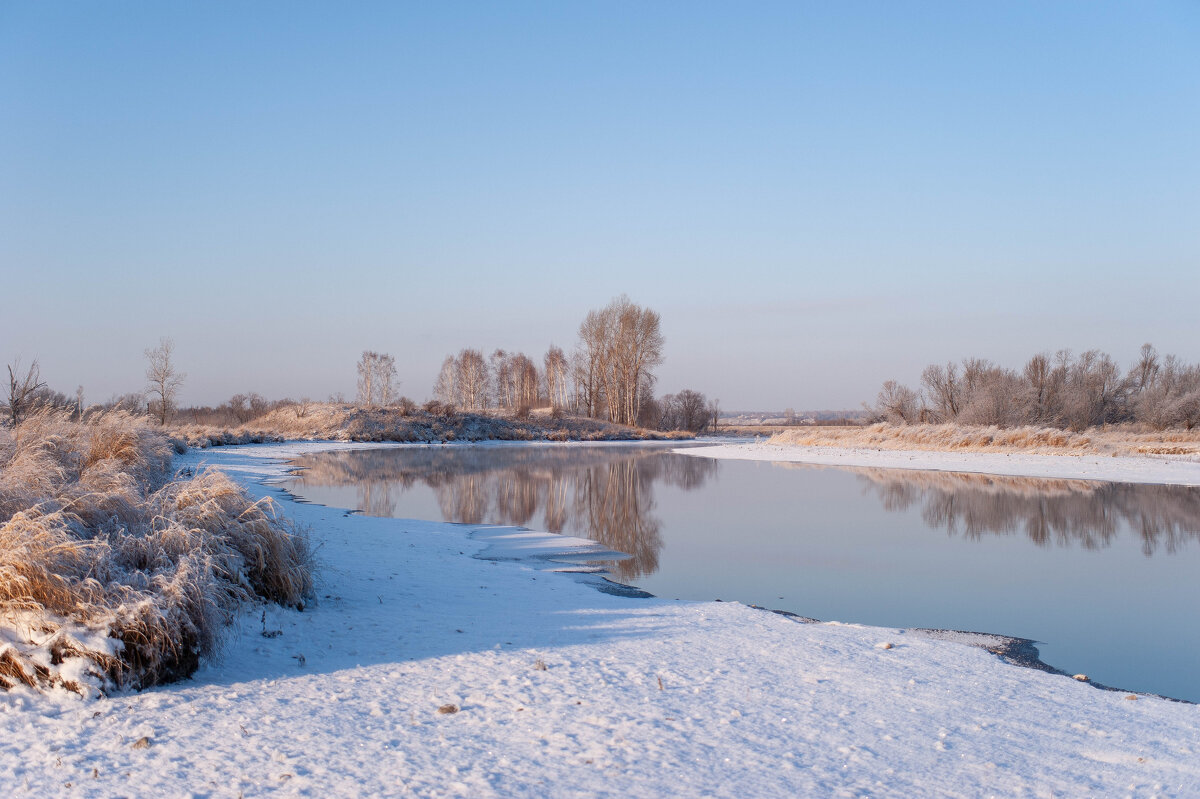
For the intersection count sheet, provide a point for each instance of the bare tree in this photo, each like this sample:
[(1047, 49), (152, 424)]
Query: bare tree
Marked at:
[(385, 368), (376, 378), (898, 404), (1044, 383), (556, 369), (163, 380), (445, 388), (501, 379), (714, 414), (22, 391), (944, 390), (244, 407), (688, 410), (1063, 391), (619, 347), (525, 380), (1145, 370), (472, 379), (1095, 391), (366, 378), (591, 363)]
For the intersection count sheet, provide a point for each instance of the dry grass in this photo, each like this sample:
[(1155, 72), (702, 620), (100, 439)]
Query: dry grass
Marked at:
[(1116, 440), (114, 575), (340, 422)]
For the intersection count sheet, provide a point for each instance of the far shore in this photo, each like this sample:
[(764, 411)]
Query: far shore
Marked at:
[(1181, 470)]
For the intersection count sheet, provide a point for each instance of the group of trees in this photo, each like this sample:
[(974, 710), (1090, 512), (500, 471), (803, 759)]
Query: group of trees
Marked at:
[(27, 391), (1053, 391), (610, 375), (688, 410), (620, 345), (509, 380), (376, 379)]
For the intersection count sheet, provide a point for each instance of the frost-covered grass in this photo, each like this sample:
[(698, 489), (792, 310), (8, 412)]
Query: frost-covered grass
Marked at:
[(341, 422), (113, 574), (1119, 440)]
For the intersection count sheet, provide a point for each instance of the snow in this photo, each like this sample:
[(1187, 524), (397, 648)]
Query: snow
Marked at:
[(1163, 469), (563, 690)]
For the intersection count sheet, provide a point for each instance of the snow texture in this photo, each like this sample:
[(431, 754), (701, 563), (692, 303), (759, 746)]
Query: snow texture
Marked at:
[(1159, 469), (562, 690)]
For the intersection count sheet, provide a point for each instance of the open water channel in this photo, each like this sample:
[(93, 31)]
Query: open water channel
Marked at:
[(1104, 576)]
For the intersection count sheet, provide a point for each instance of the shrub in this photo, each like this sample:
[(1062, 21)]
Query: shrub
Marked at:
[(114, 575)]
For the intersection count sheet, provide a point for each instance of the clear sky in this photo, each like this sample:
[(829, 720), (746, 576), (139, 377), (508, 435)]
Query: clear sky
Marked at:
[(815, 196)]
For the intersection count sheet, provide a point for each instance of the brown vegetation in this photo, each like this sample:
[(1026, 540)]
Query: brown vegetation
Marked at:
[(1111, 440), (112, 574), (1062, 391), (435, 421)]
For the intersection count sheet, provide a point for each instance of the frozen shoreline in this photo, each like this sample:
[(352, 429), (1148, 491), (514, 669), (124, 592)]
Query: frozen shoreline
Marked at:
[(1163, 470), (566, 691)]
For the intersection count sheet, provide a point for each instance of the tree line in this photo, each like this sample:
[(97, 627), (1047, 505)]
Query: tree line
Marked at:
[(609, 375), (1060, 390)]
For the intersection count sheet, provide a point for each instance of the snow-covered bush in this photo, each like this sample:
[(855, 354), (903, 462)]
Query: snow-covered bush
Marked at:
[(114, 575)]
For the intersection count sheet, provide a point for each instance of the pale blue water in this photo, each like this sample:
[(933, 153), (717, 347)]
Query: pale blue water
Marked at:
[(1102, 575)]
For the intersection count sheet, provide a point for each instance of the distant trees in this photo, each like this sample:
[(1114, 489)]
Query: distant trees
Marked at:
[(898, 404), (163, 380), (472, 379), (1056, 391), (556, 373), (688, 410), (376, 379), (244, 407), (609, 375), (22, 390), (464, 381), (620, 345)]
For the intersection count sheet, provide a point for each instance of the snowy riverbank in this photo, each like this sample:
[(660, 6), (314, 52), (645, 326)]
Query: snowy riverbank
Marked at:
[(1160, 469), (563, 690)]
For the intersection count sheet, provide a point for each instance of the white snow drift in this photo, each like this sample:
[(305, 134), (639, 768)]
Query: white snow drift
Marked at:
[(548, 687)]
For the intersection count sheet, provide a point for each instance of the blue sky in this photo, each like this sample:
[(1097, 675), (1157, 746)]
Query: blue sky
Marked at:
[(816, 196)]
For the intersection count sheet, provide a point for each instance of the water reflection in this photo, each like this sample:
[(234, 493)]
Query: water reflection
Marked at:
[(852, 545), (1058, 512), (605, 494)]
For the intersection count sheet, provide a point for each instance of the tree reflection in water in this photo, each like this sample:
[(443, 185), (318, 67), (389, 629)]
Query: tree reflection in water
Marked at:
[(1062, 512), (605, 494)]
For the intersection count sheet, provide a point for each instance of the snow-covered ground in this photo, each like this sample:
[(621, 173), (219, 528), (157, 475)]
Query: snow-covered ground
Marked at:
[(561, 690), (1162, 469)]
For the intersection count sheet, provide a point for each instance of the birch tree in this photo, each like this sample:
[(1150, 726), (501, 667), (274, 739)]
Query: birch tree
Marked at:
[(376, 379), (446, 388), (555, 374), (163, 380), (619, 347), (472, 379)]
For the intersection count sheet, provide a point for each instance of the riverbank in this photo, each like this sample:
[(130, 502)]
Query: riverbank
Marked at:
[(422, 669), (1157, 469), (1114, 440), (431, 423)]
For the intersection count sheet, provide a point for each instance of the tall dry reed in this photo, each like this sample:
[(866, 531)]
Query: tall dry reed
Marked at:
[(1112, 440), (113, 574)]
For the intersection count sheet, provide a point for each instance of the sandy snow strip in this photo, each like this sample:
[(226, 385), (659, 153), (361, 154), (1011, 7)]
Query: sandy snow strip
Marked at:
[(424, 671), (1164, 469)]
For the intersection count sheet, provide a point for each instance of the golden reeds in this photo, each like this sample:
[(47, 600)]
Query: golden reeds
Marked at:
[(114, 575), (967, 438)]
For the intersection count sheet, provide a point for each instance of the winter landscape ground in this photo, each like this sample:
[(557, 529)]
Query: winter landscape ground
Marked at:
[(424, 670)]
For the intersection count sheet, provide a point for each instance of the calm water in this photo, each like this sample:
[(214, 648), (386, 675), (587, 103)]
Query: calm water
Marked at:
[(1103, 575)]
